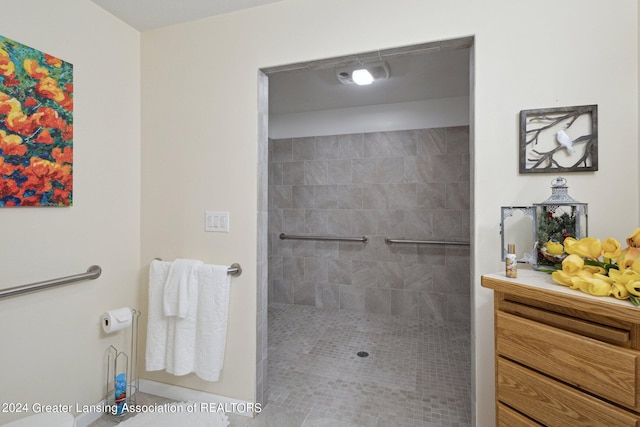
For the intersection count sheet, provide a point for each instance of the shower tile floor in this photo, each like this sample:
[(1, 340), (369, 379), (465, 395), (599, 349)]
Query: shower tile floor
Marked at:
[(417, 372)]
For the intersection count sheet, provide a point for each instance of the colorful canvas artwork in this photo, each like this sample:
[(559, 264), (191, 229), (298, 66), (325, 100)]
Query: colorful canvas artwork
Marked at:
[(36, 127)]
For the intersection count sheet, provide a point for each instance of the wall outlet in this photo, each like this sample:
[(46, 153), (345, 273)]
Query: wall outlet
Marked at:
[(216, 221)]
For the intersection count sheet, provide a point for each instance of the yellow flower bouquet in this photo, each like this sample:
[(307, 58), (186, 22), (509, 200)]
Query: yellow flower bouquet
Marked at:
[(602, 268)]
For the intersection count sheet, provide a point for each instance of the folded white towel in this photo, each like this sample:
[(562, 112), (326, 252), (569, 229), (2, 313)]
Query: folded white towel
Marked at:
[(195, 342), (181, 336), (156, 321), (181, 281), (170, 339), (211, 330)]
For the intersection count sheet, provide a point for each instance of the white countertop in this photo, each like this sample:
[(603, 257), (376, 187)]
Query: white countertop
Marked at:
[(539, 280)]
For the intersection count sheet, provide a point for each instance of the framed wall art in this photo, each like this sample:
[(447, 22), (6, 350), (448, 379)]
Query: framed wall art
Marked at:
[(36, 127), (563, 139)]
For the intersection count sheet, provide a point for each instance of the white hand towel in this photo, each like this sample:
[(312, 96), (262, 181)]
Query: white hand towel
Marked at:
[(181, 336), (181, 281), (211, 330), (156, 321)]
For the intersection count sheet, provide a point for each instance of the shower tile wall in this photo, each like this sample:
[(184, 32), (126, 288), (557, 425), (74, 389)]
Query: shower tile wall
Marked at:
[(406, 184)]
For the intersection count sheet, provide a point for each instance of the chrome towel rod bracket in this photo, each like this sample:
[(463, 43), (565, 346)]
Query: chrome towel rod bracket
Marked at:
[(93, 272), (234, 269)]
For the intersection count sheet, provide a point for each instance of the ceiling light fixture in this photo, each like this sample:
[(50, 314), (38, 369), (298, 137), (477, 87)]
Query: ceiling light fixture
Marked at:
[(362, 74), (362, 77)]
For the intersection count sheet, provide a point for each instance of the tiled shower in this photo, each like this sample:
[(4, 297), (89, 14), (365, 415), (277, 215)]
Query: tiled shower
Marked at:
[(411, 184)]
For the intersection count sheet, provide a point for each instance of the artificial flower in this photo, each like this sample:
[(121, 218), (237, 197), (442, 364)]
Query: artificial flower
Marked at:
[(572, 264), (587, 247), (619, 291), (562, 278), (594, 286), (569, 242), (634, 239), (611, 248), (616, 275), (619, 276), (627, 257), (632, 282), (554, 247), (594, 269)]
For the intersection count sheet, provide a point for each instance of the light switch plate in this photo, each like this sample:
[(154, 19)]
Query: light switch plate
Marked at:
[(216, 221)]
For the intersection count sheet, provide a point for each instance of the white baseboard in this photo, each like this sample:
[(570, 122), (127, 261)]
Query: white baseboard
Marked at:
[(86, 418), (236, 406)]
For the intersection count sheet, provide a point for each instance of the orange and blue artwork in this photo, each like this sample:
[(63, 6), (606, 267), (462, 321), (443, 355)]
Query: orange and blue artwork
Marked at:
[(36, 127)]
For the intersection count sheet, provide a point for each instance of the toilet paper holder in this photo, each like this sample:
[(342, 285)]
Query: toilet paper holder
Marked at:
[(122, 381), (118, 319)]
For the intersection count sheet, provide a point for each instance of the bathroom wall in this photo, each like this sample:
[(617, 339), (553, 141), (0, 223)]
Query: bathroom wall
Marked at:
[(412, 184), (52, 343), (200, 124)]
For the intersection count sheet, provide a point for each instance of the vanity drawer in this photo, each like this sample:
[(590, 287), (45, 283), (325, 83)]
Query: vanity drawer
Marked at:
[(507, 417), (606, 370), (552, 403)]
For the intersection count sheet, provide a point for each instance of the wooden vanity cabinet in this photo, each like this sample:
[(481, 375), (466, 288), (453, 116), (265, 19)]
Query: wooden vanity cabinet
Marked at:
[(563, 358)]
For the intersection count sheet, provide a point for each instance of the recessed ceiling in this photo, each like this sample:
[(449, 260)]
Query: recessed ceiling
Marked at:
[(149, 14), (412, 77)]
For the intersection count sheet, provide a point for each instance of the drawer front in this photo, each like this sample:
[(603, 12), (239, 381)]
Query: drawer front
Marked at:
[(507, 417), (619, 335), (552, 403), (600, 368)]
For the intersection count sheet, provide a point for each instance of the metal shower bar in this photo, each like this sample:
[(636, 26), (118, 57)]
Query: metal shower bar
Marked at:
[(363, 239), (389, 241), (93, 272)]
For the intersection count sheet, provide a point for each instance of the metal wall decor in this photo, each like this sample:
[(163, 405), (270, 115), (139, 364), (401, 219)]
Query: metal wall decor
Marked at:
[(563, 139)]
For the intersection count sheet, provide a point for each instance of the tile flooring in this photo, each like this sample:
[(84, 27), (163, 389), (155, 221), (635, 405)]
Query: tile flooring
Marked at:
[(417, 373)]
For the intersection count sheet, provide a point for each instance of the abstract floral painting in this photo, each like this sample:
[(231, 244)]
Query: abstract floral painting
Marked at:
[(36, 127)]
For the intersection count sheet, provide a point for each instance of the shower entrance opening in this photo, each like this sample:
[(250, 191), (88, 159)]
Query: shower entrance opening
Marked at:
[(365, 290)]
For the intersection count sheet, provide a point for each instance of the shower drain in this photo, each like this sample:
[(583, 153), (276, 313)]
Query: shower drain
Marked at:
[(362, 354)]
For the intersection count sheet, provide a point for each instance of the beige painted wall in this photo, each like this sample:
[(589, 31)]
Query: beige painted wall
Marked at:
[(197, 158), (200, 126), (52, 343), (199, 151)]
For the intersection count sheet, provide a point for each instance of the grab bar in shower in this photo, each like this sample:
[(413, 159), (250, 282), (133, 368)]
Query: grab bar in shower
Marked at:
[(93, 272), (389, 241), (363, 239)]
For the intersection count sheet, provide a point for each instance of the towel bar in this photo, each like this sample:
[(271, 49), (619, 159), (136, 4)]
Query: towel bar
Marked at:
[(234, 269)]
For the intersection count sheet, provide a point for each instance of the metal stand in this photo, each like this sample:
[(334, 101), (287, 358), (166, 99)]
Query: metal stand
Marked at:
[(122, 373)]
